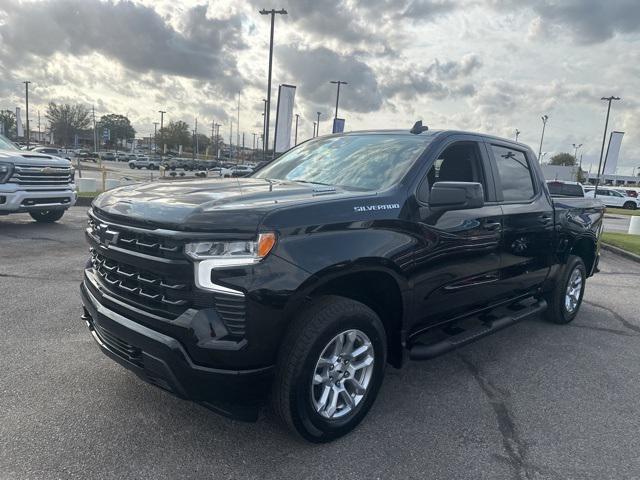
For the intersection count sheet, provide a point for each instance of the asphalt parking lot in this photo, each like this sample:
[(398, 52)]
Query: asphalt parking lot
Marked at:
[(534, 401)]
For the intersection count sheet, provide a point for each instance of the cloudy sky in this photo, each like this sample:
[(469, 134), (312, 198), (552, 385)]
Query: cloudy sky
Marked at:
[(480, 65)]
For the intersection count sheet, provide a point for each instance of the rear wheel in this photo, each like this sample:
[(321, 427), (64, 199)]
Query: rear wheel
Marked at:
[(630, 205), (330, 368), (47, 216), (565, 299), (132, 166)]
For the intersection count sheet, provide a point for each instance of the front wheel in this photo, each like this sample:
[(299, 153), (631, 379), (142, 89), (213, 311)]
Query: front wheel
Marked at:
[(565, 299), (47, 216), (330, 368), (132, 166), (630, 205)]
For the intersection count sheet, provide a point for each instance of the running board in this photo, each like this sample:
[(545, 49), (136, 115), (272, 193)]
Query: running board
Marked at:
[(426, 352)]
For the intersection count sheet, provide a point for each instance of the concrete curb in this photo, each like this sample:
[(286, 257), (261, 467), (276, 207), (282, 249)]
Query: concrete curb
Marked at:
[(620, 251)]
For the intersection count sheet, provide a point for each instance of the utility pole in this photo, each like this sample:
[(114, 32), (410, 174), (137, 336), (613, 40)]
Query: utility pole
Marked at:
[(338, 83), (273, 14), (254, 141), (231, 140), (544, 125), (314, 129), (318, 125), (39, 136), (238, 125), (264, 129), (95, 132), (575, 156), (161, 112), (604, 137), (196, 137), (296, 134), (217, 140), (26, 95), (155, 137), (517, 134)]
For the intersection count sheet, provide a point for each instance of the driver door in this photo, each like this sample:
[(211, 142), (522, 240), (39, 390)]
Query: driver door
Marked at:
[(457, 265)]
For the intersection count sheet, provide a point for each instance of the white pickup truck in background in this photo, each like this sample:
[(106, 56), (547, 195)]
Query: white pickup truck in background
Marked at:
[(38, 184)]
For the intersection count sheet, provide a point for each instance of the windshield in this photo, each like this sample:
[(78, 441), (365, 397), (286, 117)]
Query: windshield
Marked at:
[(6, 144), (368, 162)]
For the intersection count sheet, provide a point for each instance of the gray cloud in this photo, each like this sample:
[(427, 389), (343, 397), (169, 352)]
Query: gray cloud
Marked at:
[(310, 69), (132, 34), (437, 80), (589, 21)]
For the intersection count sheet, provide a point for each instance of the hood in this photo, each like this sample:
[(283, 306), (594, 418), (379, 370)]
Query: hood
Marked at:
[(227, 206), (25, 157)]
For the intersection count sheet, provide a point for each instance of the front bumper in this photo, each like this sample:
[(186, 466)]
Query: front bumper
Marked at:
[(14, 199), (162, 361)]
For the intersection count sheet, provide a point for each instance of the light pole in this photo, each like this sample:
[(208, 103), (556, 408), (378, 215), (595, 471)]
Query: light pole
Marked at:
[(26, 95), (575, 156), (296, 134), (314, 129), (264, 130), (161, 112), (604, 136), (544, 125), (338, 83), (155, 137), (273, 14), (318, 125), (517, 134)]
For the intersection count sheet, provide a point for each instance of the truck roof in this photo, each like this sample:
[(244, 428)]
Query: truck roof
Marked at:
[(431, 134)]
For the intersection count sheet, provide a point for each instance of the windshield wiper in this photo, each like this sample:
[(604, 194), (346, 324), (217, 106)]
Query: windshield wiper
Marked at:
[(299, 180)]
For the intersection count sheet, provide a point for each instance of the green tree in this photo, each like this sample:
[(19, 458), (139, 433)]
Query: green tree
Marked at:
[(203, 142), (565, 159), (8, 120), (174, 134), (119, 128), (66, 120)]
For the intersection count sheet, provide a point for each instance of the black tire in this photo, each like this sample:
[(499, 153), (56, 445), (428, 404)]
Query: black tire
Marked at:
[(47, 216), (310, 332), (630, 205), (557, 311), (132, 166)]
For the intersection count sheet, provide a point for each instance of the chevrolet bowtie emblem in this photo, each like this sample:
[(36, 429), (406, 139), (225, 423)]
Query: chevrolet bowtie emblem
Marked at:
[(46, 170)]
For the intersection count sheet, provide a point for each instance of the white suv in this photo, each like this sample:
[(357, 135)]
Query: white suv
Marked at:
[(613, 198)]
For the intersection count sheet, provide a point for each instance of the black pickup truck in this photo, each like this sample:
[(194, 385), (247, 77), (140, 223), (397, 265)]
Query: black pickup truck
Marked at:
[(301, 282)]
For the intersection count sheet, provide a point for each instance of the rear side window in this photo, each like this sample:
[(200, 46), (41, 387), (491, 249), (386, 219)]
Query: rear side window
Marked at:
[(565, 189), (514, 173)]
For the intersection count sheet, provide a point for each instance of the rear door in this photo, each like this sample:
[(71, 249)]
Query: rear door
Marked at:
[(526, 247)]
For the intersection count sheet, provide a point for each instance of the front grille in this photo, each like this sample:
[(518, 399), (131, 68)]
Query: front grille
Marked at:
[(135, 240), (42, 175), (144, 288), (146, 271)]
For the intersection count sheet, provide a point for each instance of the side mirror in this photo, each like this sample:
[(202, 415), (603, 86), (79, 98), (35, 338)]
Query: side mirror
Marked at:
[(456, 195)]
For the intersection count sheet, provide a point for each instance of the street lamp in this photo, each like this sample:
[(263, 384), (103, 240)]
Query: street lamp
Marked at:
[(314, 129), (296, 134), (161, 112), (517, 134), (26, 94), (155, 137), (338, 83), (318, 125), (575, 156), (273, 14), (604, 136), (544, 125)]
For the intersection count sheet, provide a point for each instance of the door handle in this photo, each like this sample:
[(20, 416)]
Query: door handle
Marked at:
[(492, 226)]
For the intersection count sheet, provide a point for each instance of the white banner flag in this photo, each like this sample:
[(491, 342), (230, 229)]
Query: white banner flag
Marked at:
[(19, 129), (284, 117), (613, 150)]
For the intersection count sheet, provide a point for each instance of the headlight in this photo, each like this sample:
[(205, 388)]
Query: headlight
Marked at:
[(6, 169), (231, 254)]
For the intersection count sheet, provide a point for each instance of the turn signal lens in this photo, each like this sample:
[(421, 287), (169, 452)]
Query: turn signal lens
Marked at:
[(266, 241)]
